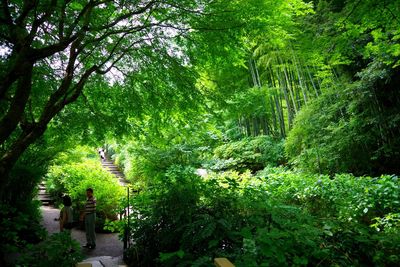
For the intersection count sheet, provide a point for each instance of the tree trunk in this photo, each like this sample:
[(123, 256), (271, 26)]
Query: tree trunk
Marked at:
[(287, 100), (12, 155), (312, 82), (14, 114), (274, 119), (280, 116)]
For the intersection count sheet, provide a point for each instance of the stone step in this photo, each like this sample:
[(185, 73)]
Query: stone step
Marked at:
[(116, 173), (43, 196), (46, 201), (111, 167), (102, 261), (114, 170)]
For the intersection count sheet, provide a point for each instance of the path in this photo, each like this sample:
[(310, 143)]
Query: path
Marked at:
[(106, 244), (109, 249), (43, 196)]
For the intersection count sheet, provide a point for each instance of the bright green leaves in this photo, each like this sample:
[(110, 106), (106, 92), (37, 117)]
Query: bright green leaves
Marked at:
[(248, 153), (76, 5), (385, 46), (76, 170)]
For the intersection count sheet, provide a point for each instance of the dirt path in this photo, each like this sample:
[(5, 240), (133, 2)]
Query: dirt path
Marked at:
[(107, 244)]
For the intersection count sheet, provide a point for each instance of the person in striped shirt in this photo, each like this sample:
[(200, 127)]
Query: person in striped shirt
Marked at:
[(90, 219)]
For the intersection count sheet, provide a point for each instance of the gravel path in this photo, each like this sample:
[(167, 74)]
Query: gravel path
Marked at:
[(107, 244)]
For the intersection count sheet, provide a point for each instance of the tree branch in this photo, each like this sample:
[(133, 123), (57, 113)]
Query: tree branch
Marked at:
[(27, 7), (125, 16), (6, 12), (39, 21)]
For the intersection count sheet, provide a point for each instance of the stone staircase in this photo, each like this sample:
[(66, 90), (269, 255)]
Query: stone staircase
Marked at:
[(107, 164), (113, 169), (43, 196)]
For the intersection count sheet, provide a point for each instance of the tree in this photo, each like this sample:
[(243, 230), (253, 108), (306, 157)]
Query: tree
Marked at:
[(270, 61), (353, 125), (51, 49)]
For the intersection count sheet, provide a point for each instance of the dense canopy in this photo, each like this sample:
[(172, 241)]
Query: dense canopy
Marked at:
[(290, 105)]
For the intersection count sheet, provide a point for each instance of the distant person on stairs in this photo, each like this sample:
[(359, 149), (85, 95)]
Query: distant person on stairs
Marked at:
[(90, 219), (66, 218), (102, 154)]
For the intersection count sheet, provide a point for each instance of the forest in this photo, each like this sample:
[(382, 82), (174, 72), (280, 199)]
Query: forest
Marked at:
[(266, 132)]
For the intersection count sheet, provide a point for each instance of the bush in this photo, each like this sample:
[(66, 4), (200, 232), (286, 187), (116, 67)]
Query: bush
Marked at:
[(183, 220), (141, 163), (355, 130), (19, 212), (254, 153), (352, 212), (74, 172), (57, 250), (277, 218), (346, 197)]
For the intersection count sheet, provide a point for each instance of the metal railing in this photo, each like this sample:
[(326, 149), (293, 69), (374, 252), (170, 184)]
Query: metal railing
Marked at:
[(126, 214)]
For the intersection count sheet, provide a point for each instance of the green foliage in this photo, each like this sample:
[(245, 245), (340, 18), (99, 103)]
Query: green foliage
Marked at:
[(351, 131), (185, 75), (75, 171), (19, 211), (216, 216), (345, 197), (277, 218), (58, 249), (19, 227), (390, 223), (254, 153), (352, 126), (142, 163), (352, 211)]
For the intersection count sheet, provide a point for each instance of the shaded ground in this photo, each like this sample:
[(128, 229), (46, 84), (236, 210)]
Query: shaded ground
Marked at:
[(106, 244)]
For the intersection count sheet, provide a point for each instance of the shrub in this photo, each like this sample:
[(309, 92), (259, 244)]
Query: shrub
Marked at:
[(141, 163), (19, 212), (254, 153), (277, 218), (184, 220), (57, 250), (74, 172)]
